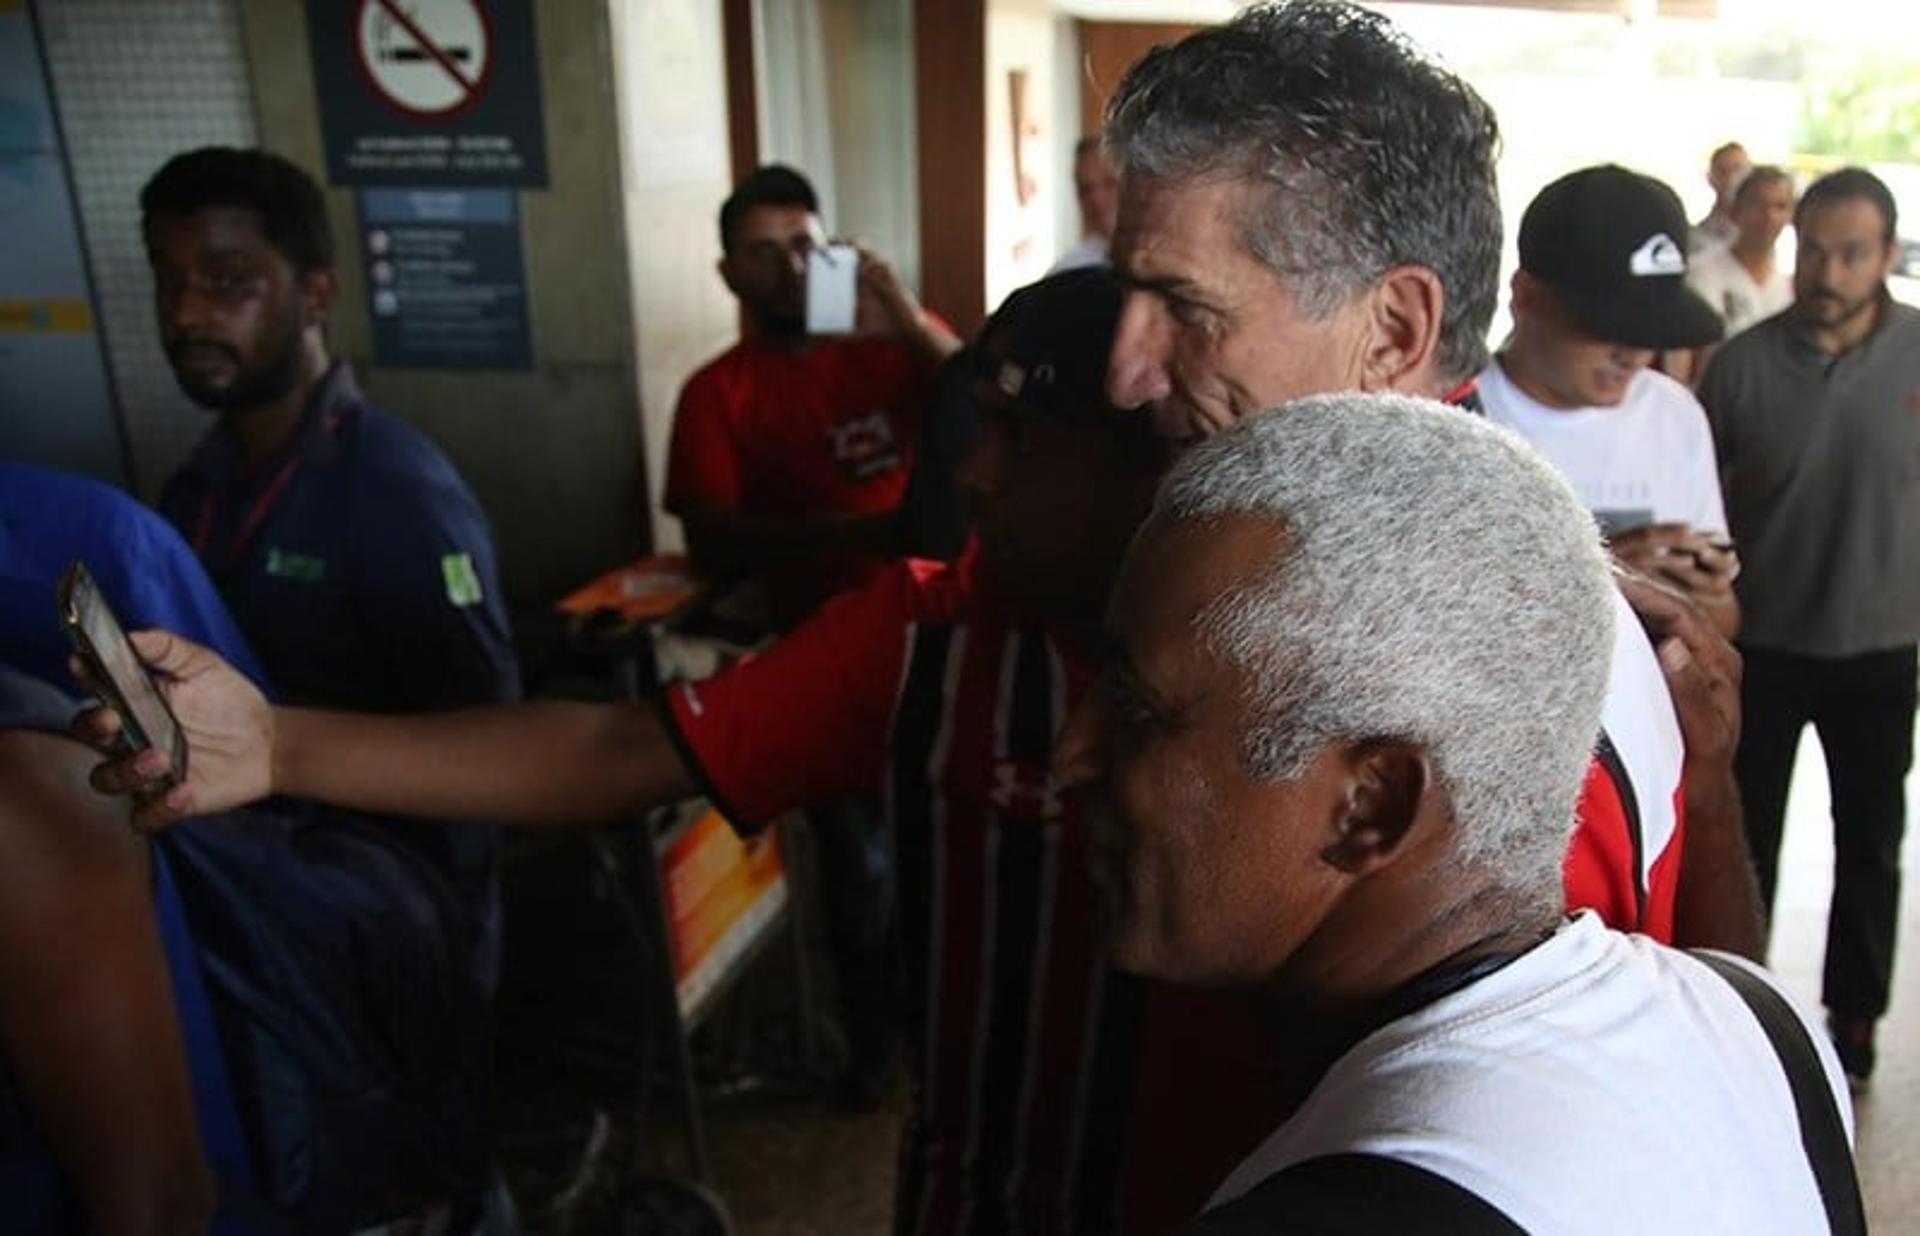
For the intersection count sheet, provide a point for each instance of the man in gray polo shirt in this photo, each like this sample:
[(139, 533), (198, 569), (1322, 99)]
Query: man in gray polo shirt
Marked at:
[(1816, 418)]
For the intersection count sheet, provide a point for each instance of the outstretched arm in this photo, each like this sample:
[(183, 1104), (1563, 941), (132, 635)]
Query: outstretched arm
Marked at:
[(541, 763)]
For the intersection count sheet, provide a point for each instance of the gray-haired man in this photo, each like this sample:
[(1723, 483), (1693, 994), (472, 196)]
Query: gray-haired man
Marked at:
[(1307, 205), (1324, 782)]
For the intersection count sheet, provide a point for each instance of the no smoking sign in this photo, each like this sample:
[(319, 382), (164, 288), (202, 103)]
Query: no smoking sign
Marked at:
[(429, 92), (424, 57)]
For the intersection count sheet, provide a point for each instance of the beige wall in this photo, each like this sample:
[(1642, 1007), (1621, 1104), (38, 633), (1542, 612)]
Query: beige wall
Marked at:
[(1021, 235), (554, 453), (673, 111)]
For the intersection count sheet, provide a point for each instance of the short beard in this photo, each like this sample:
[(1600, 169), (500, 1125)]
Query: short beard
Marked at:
[(267, 383), (1848, 310)]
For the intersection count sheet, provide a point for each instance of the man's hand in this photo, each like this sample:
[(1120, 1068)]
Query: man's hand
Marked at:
[(1718, 900), (229, 730), (1701, 566), (888, 307), (1701, 667)]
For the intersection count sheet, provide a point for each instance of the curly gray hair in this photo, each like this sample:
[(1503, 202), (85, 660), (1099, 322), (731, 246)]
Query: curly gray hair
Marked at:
[(1373, 155), (1440, 584)]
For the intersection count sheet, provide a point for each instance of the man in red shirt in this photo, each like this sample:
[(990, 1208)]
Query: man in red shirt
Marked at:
[(790, 451), (790, 454)]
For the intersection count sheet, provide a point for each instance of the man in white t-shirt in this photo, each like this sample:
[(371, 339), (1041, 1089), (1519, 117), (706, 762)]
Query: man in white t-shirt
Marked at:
[(1600, 290), (1741, 280), (1725, 167), (1356, 675)]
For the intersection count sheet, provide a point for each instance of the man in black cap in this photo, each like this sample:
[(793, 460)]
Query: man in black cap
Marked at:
[(1601, 290)]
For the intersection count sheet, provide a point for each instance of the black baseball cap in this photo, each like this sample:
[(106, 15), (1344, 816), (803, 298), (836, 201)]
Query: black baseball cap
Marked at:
[(1612, 246), (1044, 350)]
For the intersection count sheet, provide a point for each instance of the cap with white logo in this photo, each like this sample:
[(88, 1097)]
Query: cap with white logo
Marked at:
[(1610, 243)]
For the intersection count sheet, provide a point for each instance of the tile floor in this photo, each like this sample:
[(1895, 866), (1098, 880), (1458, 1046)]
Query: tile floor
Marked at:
[(1888, 1116)]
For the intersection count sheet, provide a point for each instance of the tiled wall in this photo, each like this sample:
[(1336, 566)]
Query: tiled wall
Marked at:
[(135, 83)]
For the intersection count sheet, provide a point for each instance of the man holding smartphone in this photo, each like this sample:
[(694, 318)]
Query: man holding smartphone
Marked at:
[(791, 449), (790, 454), (1600, 291)]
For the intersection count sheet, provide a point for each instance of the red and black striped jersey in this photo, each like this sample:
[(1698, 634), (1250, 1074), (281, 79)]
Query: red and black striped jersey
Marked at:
[(1053, 1095), (1025, 1041)]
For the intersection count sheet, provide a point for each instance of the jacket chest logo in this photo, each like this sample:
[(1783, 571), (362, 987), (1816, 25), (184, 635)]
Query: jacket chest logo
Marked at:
[(299, 568)]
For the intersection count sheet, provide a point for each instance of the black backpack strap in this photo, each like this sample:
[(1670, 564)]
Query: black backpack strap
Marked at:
[(1822, 1132), (1354, 1194)]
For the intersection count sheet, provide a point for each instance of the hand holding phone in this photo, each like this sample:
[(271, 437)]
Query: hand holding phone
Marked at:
[(115, 673), (832, 289)]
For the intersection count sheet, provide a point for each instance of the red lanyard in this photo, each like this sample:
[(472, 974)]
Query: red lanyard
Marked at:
[(1459, 393), (256, 514)]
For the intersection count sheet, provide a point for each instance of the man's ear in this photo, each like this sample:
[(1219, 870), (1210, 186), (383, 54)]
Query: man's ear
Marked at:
[(1526, 294), (725, 267), (1386, 783), (1405, 313), (318, 290)]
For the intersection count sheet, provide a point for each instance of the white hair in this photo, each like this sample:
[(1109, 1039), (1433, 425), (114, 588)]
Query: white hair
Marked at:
[(1440, 584)]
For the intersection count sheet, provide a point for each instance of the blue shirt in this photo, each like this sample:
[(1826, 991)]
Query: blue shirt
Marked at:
[(48, 519), (34, 1195)]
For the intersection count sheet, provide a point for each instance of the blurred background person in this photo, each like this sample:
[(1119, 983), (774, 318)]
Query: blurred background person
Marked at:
[(1725, 167), (1096, 187), (1741, 279), (1816, 414)]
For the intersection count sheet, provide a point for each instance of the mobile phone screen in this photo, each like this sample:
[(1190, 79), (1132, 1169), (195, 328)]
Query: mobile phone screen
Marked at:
[(831, 296), (97, 636)]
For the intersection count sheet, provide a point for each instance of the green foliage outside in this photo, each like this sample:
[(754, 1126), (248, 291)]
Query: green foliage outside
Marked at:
[(1870, 115)]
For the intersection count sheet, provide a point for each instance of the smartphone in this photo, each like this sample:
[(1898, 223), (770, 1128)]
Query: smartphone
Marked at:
[(832, 290), (116, 672)]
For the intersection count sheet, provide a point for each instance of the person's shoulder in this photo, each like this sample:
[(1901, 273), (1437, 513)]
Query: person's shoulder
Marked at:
[(722, 386), (1666, 396), (732, 366), (1770, 334), (1500, 399), (91, 513), (27, 488), (396, 459), (1752, 351), (1354, 1194), (1904, 318)]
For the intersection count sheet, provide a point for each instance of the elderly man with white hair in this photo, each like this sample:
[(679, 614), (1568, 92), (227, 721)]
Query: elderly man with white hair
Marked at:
[(1360, 656)]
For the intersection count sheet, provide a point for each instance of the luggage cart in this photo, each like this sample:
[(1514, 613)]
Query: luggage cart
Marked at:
[(701, 904)]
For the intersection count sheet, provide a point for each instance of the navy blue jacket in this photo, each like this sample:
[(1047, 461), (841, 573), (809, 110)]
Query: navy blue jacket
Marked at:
[(358, 563), (362, 571)]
